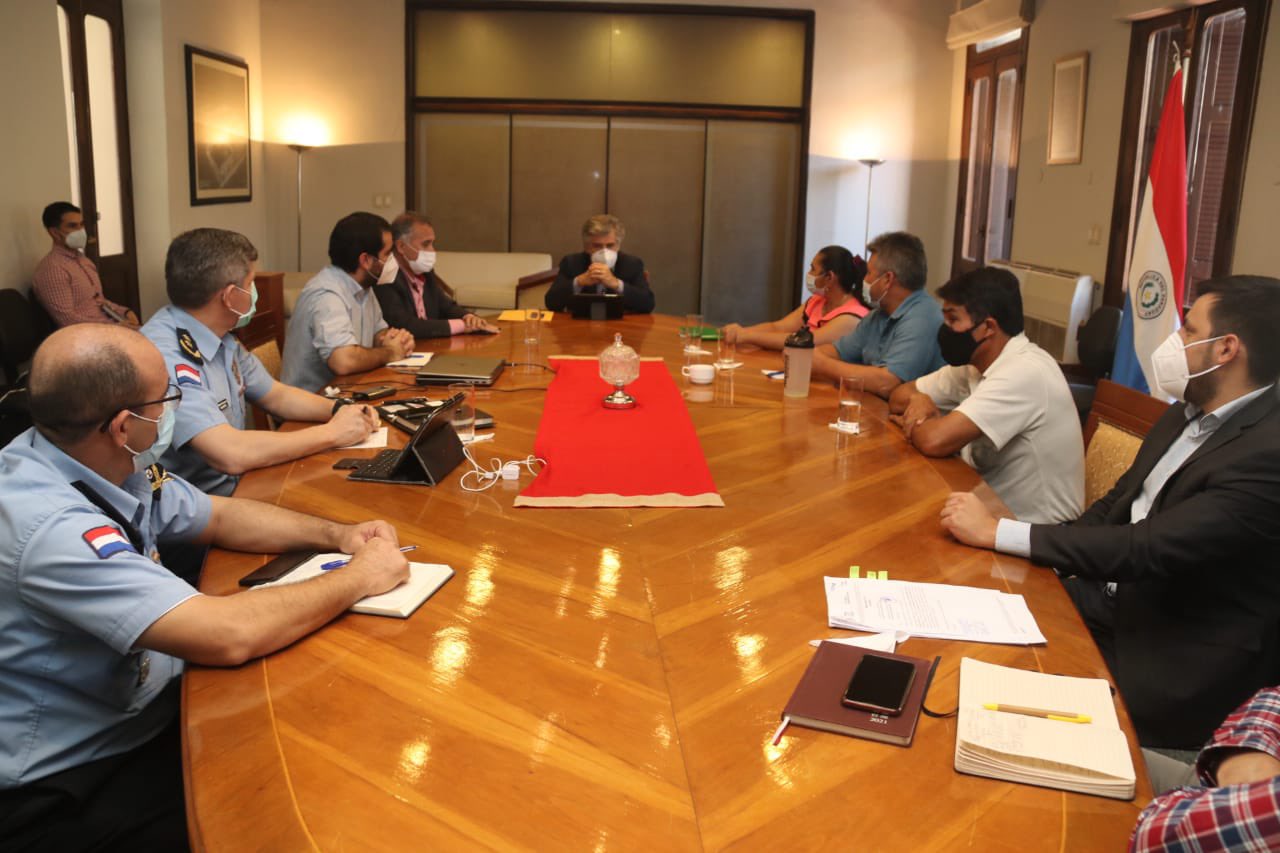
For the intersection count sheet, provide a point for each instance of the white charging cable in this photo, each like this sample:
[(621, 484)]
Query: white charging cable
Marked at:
[(487, 478)]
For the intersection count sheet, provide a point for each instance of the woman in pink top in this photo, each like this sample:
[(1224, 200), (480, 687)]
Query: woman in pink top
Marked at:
[(834, 309)]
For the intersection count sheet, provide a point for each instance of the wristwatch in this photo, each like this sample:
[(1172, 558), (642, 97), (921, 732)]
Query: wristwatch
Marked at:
[(339, 403)]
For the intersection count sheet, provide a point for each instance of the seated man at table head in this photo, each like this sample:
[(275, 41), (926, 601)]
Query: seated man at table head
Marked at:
[(337, 326), (209, 277), (65, 281), (1009, 412), (417, 299), (602, 267), (96, 630), (831, 311), (898, 339), (1174, 569)]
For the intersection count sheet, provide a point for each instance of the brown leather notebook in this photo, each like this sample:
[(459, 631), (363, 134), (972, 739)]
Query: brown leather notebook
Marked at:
[(816, 700)]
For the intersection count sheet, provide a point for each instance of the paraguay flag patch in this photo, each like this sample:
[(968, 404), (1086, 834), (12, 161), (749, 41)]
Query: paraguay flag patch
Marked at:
[(106, 541), (187, 375)]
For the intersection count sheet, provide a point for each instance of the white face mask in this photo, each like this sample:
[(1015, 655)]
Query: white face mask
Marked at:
[(872, 301), (424, 263), (811, 285), (1170, 368), (608, 257), (389, 270), (77, 239)]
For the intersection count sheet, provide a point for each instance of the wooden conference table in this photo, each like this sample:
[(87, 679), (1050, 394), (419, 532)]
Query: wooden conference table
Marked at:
[(609, 679)]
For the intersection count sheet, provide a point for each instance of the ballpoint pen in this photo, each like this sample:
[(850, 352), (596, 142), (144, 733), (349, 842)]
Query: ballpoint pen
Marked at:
[(1061, 716), (337, 564)]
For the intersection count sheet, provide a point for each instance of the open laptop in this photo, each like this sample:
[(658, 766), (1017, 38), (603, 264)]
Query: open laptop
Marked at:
[(431, 453), (596, 306), (472, 369)]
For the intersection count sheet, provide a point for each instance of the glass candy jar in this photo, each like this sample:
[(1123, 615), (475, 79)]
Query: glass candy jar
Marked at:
[(619, 366)]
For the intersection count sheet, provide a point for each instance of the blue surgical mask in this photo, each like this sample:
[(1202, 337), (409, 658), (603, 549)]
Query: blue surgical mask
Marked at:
[(247, 317), (142, 460)]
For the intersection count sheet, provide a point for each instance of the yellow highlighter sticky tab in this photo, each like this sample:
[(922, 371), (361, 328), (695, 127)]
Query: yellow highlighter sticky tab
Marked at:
[(884, 575), (854, 570)]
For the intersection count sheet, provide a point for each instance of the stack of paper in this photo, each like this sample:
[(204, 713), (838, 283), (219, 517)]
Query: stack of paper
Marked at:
[(934, 610), (1090, 758), (411, 363)]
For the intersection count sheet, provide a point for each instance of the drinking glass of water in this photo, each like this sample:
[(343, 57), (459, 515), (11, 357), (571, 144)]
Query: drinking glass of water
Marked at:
[(850, 417)]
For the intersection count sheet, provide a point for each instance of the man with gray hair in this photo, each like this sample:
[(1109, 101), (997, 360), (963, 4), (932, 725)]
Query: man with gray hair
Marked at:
[(209, 277), (418, 300), (898, 341), (96, 629), (602, 268)]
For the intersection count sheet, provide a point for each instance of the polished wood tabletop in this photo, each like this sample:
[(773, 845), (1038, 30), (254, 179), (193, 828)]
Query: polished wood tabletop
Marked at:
[(610, 679)]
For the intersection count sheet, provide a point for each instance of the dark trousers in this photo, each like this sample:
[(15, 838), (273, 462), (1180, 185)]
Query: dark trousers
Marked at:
[(1098, 611), (129, 802)]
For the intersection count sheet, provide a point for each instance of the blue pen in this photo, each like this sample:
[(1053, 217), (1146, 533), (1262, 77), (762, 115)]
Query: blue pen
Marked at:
[(337, 564)]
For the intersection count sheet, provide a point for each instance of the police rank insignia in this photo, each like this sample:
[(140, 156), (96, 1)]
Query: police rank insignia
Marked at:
[(157, 476), (187, 344)]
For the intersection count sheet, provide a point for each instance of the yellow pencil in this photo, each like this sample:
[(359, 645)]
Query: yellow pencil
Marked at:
[(1060, 716)]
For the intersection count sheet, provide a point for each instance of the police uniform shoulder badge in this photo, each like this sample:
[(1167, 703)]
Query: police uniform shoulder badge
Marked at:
[(157, 476), (187, 344)]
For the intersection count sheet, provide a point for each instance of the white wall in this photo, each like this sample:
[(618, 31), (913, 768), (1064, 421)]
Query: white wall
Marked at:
[(156, 33), (1257, 249), (34, 155)]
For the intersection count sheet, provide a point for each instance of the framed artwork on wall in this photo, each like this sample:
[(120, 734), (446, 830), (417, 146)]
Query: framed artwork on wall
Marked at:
[(218, 128), (1066, 111)]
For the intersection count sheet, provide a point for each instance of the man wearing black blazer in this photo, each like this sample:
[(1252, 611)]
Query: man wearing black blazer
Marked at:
[(602, 268), (1176, 571), (416, 299)]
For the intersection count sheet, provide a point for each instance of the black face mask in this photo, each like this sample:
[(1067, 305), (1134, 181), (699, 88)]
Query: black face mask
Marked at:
[(957, 347)]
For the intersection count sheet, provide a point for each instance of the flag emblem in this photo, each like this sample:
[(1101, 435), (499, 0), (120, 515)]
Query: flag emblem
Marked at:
[(1153, 295), (107, 541), (186, 375)]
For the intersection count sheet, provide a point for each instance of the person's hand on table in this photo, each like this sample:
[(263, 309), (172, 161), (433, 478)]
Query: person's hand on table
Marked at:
[(920, 408), (1247, 766), (380, 564), (399, 341), (732, 333), (966, 518), (351, 424), (473, 323), (352, 537)]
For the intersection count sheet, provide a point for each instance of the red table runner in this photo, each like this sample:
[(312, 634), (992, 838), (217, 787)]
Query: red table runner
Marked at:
[(646, 456)]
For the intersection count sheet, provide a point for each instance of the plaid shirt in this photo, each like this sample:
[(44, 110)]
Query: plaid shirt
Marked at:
[(68, 286), (1234, 817)]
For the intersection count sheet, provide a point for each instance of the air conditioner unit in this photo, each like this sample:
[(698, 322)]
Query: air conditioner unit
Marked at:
[(1055, 303)]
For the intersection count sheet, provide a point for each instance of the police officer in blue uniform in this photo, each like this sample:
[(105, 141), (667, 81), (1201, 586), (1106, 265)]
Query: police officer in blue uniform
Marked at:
[(94, 630), (209, 277)]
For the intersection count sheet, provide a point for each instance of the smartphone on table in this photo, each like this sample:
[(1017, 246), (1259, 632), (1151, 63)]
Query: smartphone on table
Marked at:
[(879, 685)]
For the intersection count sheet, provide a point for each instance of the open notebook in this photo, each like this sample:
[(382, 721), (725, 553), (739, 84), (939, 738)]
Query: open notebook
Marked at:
[(424, 580), (1091, 758)]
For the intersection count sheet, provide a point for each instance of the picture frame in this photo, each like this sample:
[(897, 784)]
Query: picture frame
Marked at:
[(218, 156), (1066, 109)]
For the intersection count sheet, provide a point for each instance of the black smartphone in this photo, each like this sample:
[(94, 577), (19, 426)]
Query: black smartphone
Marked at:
[(374, 393), (277, 568), (880, 685)]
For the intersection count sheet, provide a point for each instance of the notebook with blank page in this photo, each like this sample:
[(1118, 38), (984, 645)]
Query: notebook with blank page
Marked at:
[(424, 580)]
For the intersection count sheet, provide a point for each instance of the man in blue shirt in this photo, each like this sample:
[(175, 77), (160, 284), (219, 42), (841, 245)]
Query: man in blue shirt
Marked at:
[(898, 341), (94, 630), (209, 276), (337, 326)]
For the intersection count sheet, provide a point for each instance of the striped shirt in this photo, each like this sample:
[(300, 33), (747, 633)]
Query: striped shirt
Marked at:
[(68, 287)]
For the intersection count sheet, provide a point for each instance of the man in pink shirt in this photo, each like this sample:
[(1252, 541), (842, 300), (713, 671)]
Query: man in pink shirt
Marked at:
[(66, 282)]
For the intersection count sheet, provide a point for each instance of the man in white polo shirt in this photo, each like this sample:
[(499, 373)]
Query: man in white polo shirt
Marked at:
[(1009, 412)]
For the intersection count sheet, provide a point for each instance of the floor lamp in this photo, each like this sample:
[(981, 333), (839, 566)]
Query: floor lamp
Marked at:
[(869, 162), (300, 149)]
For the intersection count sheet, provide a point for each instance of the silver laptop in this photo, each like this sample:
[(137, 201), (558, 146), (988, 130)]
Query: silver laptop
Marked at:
[(446, 369)]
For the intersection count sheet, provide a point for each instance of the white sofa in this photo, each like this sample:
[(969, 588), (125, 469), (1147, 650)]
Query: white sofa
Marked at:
[(481, 280)]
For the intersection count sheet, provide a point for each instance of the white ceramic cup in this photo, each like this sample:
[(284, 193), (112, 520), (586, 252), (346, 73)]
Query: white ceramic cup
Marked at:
[(699, 374)]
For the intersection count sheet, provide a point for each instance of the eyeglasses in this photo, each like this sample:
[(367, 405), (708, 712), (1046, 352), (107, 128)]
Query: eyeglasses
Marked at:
[(173, 394)]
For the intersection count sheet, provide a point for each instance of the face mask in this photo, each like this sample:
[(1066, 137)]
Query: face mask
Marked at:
[(608, 257), (164, 434), (867, 297), (77, 239), (389, 270), (811, 285), (424, 263), (957, 347), (246, 317), (1170, 368)]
